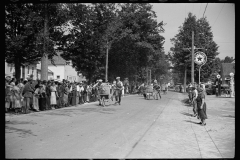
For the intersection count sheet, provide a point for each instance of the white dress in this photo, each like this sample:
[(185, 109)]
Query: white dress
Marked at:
[(53, 99)]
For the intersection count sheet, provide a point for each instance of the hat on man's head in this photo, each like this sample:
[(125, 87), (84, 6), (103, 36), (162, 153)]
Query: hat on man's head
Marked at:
[(118, 78), (99, 80), (155, 81), (200, 89)]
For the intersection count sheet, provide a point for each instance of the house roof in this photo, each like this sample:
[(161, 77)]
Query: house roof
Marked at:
[(58, 60), (49, 71), (227, 68)]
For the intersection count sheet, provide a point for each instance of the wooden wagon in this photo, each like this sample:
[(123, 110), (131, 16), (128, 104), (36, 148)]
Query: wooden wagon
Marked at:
[(105, 93)]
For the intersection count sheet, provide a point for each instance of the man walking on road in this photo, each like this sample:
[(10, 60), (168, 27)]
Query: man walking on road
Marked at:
[(119, 87), (98, 87)]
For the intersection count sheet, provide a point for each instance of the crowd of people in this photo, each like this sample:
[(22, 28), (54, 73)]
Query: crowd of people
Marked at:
[(36, 95)]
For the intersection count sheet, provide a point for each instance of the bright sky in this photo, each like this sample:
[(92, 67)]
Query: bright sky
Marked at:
[(221, 17)]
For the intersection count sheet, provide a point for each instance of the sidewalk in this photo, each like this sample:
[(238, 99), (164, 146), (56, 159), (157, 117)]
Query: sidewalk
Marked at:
[(176, 133)]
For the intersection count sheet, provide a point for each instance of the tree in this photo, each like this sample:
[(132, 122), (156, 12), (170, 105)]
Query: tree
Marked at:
[(227, 60), (134, 53), (81, 44), (26, 40), (20, 36), (203, 39), (49, 16)]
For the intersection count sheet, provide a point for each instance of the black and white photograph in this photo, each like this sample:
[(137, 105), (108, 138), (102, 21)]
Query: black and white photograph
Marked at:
[(108, 80)]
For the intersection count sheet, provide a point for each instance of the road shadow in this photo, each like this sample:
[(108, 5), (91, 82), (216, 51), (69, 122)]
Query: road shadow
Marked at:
[(22, 132), (185, 101), (229, 116), (186, 114), (58, 113), (20, 122), (192, 122)]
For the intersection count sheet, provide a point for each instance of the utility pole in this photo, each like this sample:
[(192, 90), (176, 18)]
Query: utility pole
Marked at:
[(192, 71), (106, 76), (192, 61), (150, 77)]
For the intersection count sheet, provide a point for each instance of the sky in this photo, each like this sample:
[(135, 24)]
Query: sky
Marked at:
[(221, 18)]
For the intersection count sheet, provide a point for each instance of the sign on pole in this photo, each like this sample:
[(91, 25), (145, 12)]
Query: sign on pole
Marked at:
[(200, 59)]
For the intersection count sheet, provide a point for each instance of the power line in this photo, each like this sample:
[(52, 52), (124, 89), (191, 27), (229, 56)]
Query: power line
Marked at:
[(205, 10), (218, 14), (199, 9)]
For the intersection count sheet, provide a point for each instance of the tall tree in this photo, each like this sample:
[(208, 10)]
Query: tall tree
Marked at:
[(203, 39), (81, 43), (131, 55), (26, 40), (50, 17), (20, 36)]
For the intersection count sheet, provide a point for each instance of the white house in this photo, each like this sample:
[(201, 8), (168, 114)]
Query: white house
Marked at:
[(26, 70), (63, 69)]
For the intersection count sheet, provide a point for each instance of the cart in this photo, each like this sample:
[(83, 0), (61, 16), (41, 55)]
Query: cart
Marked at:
[(105, 93), (149, 91)]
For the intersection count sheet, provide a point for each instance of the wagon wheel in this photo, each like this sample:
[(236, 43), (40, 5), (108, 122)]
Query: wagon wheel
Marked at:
[(103, 101)]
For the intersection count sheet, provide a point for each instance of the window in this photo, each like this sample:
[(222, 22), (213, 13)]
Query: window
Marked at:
[(58, 77)]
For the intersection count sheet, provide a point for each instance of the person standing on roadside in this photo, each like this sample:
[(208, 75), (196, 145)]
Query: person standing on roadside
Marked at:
[(190, 93), (36, 97), (48, 95), (42, 96), (53, 99), (194, 102), (218, 83), (8, 95), (16, 98), (27, 93), (201, 106)]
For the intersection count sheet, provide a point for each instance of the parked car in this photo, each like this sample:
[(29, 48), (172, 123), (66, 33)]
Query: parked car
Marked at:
[(210, 89)]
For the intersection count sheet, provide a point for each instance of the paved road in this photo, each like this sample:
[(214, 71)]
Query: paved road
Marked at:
[(137, 128)]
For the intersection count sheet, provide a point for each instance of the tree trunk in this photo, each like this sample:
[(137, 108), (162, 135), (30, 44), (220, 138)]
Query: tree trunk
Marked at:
[(44, 60), (17, 67)]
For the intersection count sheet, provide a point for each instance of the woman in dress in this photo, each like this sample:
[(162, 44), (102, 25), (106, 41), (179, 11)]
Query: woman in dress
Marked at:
[(16, 98), (48, 95), (36, 96), (65, 95), (74, 94), (21, 86), (8, 95), (201, 106), (42, 97), (53, 99), (70, 94)]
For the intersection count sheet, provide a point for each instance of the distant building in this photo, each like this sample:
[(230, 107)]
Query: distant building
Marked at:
[(63, 69), (226, 69), (26, 70)]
